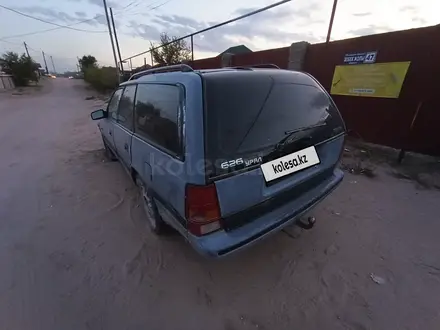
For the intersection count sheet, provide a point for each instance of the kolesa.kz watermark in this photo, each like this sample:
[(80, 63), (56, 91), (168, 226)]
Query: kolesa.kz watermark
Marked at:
[(290, 163), (284, 166)]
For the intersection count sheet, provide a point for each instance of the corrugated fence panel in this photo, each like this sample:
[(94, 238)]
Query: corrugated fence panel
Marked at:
[(207, 63), (278, 56), (378, 120), (387, 121)]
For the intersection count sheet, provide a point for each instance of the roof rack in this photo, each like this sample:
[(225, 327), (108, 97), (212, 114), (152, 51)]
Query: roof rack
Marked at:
[(168, 68), (256, 66)]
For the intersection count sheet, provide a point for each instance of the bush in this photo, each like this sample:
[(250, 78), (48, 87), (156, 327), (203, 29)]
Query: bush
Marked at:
[(102, 79), (22, 68)]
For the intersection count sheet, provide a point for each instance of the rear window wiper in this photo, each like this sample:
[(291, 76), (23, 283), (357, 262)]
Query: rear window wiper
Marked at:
[(289, 134)]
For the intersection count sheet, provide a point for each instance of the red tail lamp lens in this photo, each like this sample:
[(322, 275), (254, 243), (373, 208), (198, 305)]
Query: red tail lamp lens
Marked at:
[(202, 209)]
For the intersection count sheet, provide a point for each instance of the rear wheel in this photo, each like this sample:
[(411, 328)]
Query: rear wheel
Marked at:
[(154, 221), (108, 152)]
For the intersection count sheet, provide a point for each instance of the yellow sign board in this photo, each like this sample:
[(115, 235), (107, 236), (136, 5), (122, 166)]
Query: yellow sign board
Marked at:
[(370, 80)]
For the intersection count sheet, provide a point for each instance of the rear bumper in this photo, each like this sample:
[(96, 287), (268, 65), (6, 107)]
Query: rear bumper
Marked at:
[(222, 243)]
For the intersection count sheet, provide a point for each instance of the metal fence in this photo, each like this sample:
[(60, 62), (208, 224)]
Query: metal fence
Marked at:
[(6, 81), (191, 36)]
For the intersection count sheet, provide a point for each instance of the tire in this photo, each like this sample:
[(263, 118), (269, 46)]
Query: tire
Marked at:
[(108, 152), (154, 221)]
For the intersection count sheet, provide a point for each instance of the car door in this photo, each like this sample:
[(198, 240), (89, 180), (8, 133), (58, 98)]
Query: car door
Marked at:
[(107, 126), (123, 130), (159, 147)]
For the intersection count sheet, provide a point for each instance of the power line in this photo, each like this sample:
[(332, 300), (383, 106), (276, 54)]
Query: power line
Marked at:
[(152, 6), (39, 51), (162, 4), (52, 29), (10, 42), (213, 26), (65, 26), (130, 4), (47, 22), (134, 4)]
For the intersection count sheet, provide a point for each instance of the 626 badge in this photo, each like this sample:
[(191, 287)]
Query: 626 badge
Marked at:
[(241, 161), (231, 163)]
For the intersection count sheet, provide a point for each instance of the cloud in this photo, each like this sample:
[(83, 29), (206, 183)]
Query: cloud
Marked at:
[(144, 31), (414, 13), (63, 17), (362, 14), (411, 9), (371, 29), (81, 14), (99, 3), (287, 13), (419, 20), (248, 31), (48, 13)]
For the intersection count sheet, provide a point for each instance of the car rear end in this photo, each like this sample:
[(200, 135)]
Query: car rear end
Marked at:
[(273, 139)]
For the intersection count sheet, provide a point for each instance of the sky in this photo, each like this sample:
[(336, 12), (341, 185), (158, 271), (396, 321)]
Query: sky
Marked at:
[(139, 22)]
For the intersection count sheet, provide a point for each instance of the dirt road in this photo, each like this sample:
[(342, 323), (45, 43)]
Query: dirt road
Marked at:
[(74, 253)]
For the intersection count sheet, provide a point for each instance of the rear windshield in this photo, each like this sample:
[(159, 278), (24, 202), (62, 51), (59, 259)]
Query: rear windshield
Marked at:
[(248, 112)]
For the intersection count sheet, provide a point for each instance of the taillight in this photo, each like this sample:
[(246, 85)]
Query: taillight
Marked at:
[(202, 209)]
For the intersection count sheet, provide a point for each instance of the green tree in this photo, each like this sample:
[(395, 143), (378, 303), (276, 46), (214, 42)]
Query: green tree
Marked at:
[(87, 61), (102, 79), (173, 51), (22, 68)]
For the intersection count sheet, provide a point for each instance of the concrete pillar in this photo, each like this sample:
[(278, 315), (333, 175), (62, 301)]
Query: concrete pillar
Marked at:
[(297, 55)]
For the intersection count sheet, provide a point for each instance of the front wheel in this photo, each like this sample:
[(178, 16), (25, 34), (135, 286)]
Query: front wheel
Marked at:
[(108, 152), (155, 222)]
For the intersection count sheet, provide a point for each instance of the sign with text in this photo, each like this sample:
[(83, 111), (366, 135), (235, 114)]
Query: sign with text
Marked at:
[(360, 58), (370, 80)]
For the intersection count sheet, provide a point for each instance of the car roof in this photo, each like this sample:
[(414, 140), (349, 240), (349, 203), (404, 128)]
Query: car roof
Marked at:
[(279, 75)]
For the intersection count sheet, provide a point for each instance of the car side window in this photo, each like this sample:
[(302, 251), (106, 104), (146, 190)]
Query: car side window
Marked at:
[(126, 105), (113, 104), (157, 115)]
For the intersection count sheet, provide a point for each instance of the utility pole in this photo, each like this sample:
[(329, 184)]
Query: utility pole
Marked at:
[(192, 48), (111, 40), (131, 65), (27, 51), (332, 17), (45, 63), (116, 40), (54, 70), (145, 61)]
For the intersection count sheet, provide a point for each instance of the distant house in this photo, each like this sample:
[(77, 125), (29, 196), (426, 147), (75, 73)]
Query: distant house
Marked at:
[(240, 49)]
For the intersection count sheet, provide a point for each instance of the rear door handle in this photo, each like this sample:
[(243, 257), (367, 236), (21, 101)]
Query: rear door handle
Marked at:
[(126, 146), (110, 132)]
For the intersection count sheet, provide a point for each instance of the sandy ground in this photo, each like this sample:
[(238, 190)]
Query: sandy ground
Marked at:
[(74, 253)]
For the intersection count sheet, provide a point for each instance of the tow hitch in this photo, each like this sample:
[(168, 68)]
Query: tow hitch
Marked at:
[(307, 223)]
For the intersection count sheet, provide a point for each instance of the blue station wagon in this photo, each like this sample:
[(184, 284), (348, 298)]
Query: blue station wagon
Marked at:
[(225, 156)]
